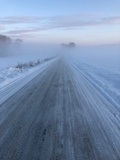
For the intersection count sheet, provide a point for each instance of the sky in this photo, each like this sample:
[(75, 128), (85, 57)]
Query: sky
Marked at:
[(52, 21)]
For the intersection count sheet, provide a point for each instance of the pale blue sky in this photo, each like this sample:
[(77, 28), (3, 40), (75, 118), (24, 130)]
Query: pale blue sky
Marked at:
[(82, 21)]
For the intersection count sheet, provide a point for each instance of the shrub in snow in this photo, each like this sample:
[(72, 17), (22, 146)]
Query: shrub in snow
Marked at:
[(31, 64), (19, 66)]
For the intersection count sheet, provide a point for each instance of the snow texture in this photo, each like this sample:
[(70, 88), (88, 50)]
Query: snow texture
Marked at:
[(101, 65)]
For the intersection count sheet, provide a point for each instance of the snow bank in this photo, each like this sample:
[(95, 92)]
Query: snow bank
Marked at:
[(9, 75), (101, 65)]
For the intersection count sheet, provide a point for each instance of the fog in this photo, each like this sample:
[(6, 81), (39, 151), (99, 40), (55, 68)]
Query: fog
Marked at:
[(105, 55)]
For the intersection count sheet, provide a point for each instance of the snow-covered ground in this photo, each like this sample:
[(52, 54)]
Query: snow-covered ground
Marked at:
[(21, 65), (101, 66)]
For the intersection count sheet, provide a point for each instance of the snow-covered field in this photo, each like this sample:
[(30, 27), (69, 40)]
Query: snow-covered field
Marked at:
[(101, 66), (21, 65)]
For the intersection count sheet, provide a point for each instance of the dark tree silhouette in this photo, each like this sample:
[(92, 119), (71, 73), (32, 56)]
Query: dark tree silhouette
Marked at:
[(69, 45), (4, 39), (72, 44)]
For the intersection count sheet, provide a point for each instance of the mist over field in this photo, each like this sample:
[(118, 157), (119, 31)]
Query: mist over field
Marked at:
[(15, 54), (103, 55)]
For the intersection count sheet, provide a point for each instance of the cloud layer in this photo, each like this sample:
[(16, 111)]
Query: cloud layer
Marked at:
[(34, 24), (18, 20)]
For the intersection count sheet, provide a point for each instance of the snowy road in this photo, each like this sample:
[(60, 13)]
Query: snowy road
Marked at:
[(59, 115)]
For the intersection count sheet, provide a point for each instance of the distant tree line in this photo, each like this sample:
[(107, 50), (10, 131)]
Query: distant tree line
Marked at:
[(6, 40), (69, 45)]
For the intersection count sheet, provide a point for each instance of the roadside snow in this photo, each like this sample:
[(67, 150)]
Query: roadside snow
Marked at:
[(16, 78), (9, 75), (101, 66)]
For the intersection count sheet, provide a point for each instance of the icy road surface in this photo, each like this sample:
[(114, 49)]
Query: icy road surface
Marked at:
[(59, 115)]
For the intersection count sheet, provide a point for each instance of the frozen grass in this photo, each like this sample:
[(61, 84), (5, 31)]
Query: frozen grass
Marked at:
[(27, 65), (10, 74)]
